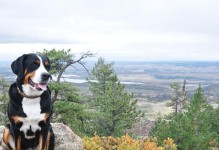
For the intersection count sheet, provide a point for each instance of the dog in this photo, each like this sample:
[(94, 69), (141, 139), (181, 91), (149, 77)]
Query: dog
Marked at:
[(29, 108)]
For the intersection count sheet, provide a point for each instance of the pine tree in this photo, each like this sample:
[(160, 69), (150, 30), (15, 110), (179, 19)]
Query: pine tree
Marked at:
[(117, 110), (196, 128), (178, 98), (68, 104)]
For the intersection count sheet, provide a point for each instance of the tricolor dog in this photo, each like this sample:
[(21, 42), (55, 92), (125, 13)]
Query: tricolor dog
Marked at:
[(29, 108)]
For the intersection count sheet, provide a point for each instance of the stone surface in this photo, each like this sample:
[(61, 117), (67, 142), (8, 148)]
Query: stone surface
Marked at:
[(65, 138), (1, 134)]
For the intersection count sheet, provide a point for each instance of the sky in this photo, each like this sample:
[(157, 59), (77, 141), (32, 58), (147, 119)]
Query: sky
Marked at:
[(118, 30)]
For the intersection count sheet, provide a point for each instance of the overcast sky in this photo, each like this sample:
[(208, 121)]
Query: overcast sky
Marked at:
[(144, 30)]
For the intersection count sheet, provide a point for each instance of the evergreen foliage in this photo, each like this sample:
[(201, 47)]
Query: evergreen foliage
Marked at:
[(196, 128), (58, 59), (116, 109), (178, 98)]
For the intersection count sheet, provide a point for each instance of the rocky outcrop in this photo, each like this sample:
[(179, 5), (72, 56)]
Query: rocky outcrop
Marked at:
[(65, 138), (1, 134)]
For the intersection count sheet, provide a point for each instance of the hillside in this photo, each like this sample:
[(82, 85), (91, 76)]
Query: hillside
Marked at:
[(149, 81)]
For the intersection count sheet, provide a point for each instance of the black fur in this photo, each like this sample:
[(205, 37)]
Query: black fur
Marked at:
[(27, 62)]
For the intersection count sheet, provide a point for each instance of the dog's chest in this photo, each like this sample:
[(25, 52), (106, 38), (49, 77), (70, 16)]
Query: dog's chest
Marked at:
[(31, 107)]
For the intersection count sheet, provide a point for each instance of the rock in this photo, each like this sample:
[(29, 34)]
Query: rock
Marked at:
[(1, 134), (65, 138)]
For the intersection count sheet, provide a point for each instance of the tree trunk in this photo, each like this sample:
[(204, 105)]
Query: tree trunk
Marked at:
[(59, 78)]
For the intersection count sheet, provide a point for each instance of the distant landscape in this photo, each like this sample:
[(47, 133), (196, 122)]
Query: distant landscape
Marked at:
[(149, 81)]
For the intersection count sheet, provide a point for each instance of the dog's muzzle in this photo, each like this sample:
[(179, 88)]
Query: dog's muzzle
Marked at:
[(39, 86)]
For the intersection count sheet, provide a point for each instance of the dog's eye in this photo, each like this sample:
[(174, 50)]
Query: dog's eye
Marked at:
[(47, 67), (35, 64)]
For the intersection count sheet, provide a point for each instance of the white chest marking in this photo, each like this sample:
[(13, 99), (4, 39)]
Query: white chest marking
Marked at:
[(31, 108)]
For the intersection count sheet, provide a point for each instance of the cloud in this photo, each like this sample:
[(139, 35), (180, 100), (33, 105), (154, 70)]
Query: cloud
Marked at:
[(118, 30)]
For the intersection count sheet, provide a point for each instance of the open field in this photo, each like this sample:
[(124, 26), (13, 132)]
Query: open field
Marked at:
[(149, 81), (154, 109)]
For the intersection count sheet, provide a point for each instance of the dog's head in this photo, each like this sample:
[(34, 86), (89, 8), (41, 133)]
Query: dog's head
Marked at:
[(32, 70)]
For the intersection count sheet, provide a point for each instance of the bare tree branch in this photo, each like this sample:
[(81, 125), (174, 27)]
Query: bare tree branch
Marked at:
[(71, 62)]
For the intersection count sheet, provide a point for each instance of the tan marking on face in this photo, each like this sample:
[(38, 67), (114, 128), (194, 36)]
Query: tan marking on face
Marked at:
[(37, 62), (16, 119), (46, 63), (27, 76)]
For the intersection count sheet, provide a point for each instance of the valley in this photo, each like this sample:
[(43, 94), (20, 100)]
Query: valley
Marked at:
[(149, 81)]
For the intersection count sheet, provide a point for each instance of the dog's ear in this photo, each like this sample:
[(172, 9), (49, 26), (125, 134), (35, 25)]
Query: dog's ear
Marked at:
[(18, 68)]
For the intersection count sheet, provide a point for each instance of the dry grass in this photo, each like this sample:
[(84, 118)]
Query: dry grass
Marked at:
[(155, 109)]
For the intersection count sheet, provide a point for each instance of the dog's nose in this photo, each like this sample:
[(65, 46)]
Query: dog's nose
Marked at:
[(46, 76)]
